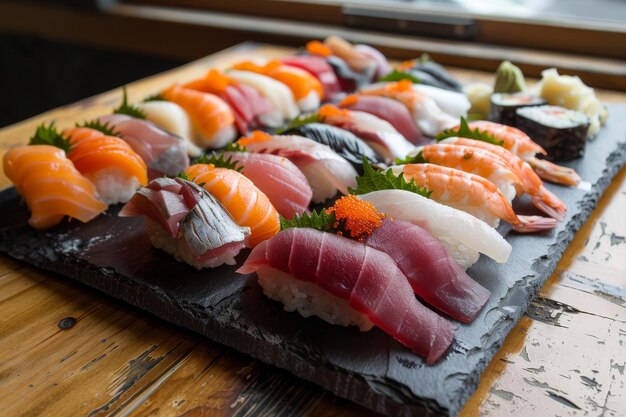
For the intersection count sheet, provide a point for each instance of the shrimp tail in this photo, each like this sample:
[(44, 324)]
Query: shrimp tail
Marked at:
[(550, 204), (531, 224), (554, 173)]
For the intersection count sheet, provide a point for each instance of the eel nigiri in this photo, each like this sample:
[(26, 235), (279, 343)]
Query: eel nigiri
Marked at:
[(345, 143), (278, 178), (162, 152), (376, 132), (51, 186), (325, 171), (319, 68), (249, 105), (243, 200), (284, 107), (306, 89), (387, 109), (212, 118), (187, 222), (346, 282)]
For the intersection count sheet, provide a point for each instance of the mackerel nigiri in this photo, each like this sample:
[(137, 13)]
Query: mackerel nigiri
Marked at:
[(346, 282), (326, 171), (187, 222), (51, 186)]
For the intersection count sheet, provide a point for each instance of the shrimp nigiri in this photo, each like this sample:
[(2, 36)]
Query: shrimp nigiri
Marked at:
[(471, 193), (243, 200), (542, 198), (51, 186)]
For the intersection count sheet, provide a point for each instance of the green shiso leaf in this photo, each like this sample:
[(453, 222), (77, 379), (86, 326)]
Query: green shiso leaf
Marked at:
[(129, 109), (183, 175), (415, 159), (373, 180), (234, 147), (104, 128), (316, 220), (464, 131), (509, 79), (155, 97), (219, 160), (396, 75), (305, 119), (49, 135)]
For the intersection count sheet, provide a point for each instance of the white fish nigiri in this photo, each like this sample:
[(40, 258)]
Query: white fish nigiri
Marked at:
[(323, 168), (452, 102), (171, 117), (278, 94), (463, 235)]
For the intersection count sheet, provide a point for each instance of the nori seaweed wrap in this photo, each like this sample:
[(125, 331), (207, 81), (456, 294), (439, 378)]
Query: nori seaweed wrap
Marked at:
[(504, 105), (561, 132)]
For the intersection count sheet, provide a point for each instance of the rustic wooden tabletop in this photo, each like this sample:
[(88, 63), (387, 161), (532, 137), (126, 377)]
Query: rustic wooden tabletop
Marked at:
[(67, 350)]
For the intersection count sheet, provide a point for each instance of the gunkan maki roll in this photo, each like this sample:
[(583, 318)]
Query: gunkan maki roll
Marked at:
[(561, 132), (504, 105)]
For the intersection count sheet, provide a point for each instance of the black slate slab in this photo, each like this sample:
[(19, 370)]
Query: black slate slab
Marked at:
[(114, 255)]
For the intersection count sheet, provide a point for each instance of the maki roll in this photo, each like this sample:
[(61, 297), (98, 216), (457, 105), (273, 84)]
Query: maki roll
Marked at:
[(561, 132), (504, 105)]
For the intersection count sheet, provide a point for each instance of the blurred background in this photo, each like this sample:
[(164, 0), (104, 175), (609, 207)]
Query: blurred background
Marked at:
[(55, 52)]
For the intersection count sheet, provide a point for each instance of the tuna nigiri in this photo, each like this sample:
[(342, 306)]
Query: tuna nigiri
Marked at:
[(243, 200), (346, 282), (51, 186), (326, 171), (187, 222)]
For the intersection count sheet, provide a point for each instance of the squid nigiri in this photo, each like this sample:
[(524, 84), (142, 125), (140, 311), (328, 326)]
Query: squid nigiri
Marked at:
[(318, 67), (51, 186), (348, 283), (187, 222), (243, 200), (326, 171)]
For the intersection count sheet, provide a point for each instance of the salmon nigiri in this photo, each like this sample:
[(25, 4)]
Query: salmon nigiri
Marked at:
[(243, 200), (51, 185), (210, 116)]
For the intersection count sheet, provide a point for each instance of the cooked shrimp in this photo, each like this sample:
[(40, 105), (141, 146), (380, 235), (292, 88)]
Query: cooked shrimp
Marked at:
[(472, 194), (542, 198)]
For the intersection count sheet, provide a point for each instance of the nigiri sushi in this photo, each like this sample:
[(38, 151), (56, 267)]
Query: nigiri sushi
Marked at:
[(249, 105), (377, 133), (243, 200), (348, 283), (431, 73), (51, 186), (453, 103), (349, 79), (162, 152), (187, 222), (318, 67), (382, 65), (346, 144), (284, 107), (212, 118), (357, 60), (278, 178), (306, 89), (387, 109), (325, 171)]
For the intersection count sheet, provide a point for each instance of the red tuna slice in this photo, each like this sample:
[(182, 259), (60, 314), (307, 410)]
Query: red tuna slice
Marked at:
[(387, 109), (433, 274), (247, 104), (320, 69), (367, 278), (278, 178)]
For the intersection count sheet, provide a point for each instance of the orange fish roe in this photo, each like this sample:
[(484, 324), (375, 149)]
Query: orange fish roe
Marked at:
[(318, 48), (406, 65), (360, 218), (256, 136), (402, 85), (349, 100), (328, 110)]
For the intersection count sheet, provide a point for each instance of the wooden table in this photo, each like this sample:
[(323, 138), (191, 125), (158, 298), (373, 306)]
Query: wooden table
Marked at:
[(67, 350)]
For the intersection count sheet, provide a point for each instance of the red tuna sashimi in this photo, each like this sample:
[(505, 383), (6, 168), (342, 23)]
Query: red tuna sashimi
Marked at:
[(279, 179), (387, 109), (320, 69), (367, 278), (163, 152), (433, 274), (247, 104)]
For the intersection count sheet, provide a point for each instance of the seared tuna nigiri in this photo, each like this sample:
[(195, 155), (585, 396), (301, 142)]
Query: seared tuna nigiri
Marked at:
[(345, 143), (187, 222), (317, 66), (346, 282), (387, 109), (243, 200), (326, 171), (51, 186), (162, 152), (278, 178)]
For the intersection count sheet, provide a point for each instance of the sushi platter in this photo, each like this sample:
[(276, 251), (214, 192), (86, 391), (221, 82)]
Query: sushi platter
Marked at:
[(184, 249)]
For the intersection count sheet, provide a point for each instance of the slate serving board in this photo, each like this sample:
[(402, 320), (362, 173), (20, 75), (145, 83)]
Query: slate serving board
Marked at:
[(114, 255)]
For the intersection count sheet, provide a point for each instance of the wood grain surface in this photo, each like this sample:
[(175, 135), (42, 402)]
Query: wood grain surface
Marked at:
[(67, 350)]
